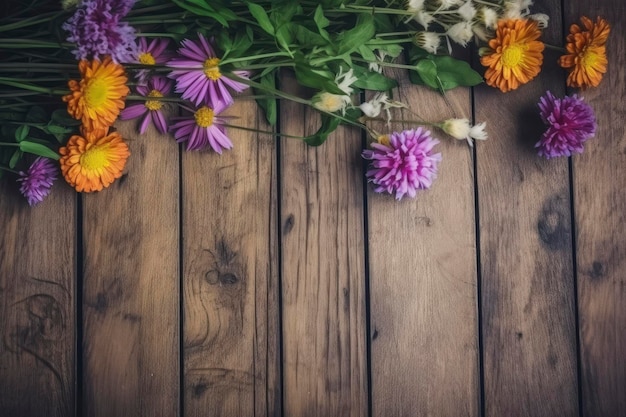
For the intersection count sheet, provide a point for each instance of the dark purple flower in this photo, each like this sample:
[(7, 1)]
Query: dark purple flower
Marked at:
[(199, 77), (571, 122), (151, 110), (403, 162), (97, 30), (37, 181)]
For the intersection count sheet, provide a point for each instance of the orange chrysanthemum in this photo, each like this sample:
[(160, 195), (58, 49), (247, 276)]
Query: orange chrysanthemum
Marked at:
[(99, 96), (515, 55), (586, 57), (94, 160)]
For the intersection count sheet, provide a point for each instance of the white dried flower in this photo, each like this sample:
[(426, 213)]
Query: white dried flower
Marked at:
[(489, 17), (542, 19), (345, 80), (467, 11), (423, 18), (428, 41), (446, 4), (415, 6), (331, 102), (376, 66), (462, 129), (460, 33)]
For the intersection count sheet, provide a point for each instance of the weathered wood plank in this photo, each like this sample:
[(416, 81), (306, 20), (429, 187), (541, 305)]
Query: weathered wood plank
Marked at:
[(600, 199), (423, 279), (324, 326), (230, 281), (131, 285), (37, 303), (528, 320)]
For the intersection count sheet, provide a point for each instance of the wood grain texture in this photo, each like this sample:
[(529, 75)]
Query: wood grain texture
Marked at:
[(324, 326), (37, 303), (600, 200), (528, 298), (131, 285), (422, 257), (230, 281)]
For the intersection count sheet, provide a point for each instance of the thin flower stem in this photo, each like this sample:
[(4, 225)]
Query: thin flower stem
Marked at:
[(260, 56), (35, 20), (9, 144), (371, 9), (30, 87), (266, 132), (555, 48), (9, 170)]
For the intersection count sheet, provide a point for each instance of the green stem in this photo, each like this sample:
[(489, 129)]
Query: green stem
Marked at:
[(555, 48), (17, 145), (9, 170), (30, 87), (266, 132), (260, 56)]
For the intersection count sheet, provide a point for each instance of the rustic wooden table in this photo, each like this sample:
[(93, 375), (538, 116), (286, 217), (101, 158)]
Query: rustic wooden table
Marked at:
[(272, 281)]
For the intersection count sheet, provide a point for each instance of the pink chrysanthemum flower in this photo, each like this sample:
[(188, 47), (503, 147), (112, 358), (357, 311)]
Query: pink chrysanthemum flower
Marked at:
[(151, 53), (37, 180), (403, 162), (571, 122), (204, 129), (199, 78), (151, 110), (97, 30)]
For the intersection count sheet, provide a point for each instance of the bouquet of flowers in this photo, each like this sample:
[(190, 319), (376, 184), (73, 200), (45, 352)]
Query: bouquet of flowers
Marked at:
[(70, 70)]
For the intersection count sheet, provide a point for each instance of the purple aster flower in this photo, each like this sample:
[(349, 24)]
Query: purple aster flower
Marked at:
[(151, 110), (37, 181), (571, 122), (153, 53), (204, 129), (97, 30), (403, 163), (199, 78)]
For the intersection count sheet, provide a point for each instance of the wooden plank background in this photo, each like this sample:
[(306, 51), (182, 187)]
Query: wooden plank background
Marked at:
[(271, 280)]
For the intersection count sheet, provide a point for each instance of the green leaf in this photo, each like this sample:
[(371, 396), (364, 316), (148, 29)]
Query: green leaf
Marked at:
[(370, 80), (36, 114), (362, 32), (15, 158), (453, 73), (308, 38), (261, 17), (269, 105), (178, 28), (38, 149), (322, 80), (367, 53), (329, 124), (427, 70), (284, 38), (61, 117), (21, 132), (321, 22)]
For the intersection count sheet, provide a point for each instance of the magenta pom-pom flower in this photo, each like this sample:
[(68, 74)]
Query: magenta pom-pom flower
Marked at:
[(571, 122), (403, 162), (37, 180), (198, 75), (151, 110)]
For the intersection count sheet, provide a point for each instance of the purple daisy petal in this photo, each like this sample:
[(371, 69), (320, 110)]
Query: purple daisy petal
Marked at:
[(132, 112)]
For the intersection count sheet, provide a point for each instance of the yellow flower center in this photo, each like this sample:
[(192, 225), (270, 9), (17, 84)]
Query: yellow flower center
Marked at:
[(146, 58), (95, 158), (211, 69), (383, 140), (204, 117), (513, 55), (589, 59), (154, 104), (96, 93)]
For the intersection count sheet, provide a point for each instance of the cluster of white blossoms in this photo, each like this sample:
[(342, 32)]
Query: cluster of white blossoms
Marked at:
[(460, 21)]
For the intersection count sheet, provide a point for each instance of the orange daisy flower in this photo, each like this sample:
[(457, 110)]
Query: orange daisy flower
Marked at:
[(514, 56), (99, 96), (586, 57), (94, 160)]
